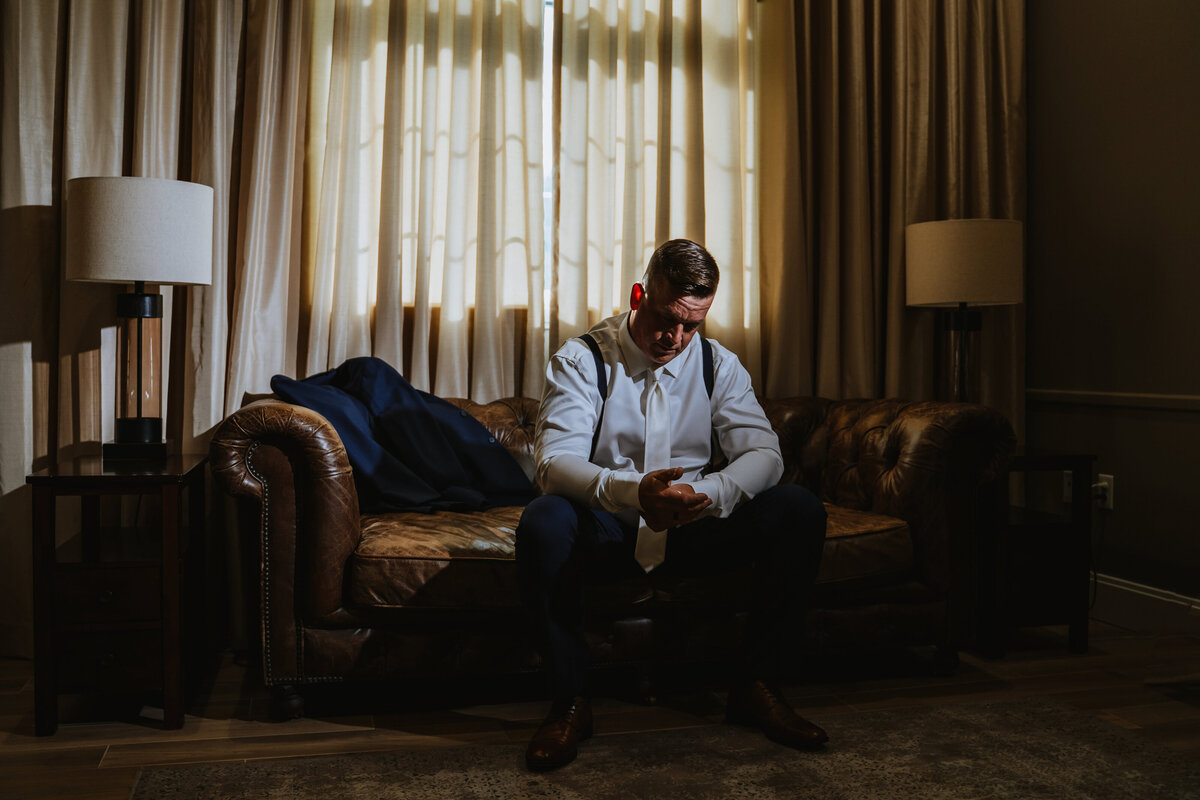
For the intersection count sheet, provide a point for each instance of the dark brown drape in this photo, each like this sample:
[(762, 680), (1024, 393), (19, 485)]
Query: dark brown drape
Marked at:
[(881, 114)]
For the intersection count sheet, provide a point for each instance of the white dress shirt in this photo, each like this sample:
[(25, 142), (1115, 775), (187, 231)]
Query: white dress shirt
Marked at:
[(571, 404)]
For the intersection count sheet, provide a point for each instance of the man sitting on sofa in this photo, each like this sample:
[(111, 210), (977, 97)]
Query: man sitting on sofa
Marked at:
[(623, 448)]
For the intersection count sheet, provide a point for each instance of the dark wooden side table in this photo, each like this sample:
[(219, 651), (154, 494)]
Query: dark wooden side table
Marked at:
[(109, 601), (1042, 560)]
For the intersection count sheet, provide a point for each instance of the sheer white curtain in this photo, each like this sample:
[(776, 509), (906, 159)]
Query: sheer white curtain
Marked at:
[(422, 192), (656, 140)]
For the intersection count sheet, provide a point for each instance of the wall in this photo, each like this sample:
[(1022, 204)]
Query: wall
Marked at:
[(1113, 363)]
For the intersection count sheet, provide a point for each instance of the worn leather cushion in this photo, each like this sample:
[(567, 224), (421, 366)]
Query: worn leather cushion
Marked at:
[(862, 546), (448, 559), (465, 559)]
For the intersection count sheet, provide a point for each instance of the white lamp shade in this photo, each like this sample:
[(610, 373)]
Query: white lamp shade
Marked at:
[(122, 230), (974, 261)]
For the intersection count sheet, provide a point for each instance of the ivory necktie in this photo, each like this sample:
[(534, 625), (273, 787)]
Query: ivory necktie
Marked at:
[(652, 545)]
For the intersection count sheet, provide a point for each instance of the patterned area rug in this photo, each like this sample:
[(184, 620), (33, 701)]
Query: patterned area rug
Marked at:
[(1019, 749)]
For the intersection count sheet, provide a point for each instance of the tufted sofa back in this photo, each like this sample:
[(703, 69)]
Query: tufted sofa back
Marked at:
[(854, 453), (922, 462)]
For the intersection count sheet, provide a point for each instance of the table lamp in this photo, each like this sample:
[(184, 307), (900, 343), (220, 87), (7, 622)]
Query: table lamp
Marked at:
[(139, 231), (957, 264)]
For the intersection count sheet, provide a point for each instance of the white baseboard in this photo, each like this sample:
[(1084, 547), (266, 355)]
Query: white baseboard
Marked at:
[(1137, 607)]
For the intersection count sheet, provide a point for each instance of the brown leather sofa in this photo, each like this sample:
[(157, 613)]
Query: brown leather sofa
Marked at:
[(337, 595)]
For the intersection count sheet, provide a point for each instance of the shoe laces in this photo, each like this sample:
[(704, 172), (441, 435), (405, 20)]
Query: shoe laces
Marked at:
[(566, 710), (774, 695)]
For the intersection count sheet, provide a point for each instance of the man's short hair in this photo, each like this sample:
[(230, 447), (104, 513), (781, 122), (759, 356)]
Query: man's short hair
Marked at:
[(686, 267)]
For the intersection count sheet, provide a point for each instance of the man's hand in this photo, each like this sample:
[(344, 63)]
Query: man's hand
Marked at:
[(666, 505)]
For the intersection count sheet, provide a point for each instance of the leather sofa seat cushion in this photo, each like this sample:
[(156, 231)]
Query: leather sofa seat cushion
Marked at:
[(465, 559), (864, 547), (448, 559)]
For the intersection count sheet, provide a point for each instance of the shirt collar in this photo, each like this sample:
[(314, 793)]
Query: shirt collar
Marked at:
[(636, 360)]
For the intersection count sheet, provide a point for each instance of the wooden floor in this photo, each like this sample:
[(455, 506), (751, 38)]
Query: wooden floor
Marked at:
[(1146, 683)]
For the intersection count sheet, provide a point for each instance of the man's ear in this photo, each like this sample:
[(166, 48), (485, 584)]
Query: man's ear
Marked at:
[(636, 294)]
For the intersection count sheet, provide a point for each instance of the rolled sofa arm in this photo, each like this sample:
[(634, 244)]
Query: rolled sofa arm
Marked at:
[(298, 512)]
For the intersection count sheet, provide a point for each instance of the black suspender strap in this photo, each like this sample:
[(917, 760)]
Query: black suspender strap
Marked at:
[(706, 349), (601, 384), (602, 380)]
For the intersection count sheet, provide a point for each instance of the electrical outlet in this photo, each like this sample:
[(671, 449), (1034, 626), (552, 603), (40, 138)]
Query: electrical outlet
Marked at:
[(1068, 486), (1104, 492)]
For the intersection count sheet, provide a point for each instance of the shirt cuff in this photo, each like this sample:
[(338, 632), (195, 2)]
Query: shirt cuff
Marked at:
[(712, 488), (620, 491)]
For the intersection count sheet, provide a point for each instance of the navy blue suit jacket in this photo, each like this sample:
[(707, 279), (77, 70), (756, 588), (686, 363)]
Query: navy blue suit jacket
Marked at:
[(410, 450)]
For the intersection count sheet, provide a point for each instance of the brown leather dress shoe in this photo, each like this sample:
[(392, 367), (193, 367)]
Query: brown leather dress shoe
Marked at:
[(761, 705), (556, 742)]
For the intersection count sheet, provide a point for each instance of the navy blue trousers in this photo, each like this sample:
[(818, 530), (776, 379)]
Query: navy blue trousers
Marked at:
[(780, 533)]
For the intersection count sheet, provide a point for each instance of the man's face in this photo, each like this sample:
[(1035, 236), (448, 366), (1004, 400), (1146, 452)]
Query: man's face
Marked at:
[(664, 321)]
